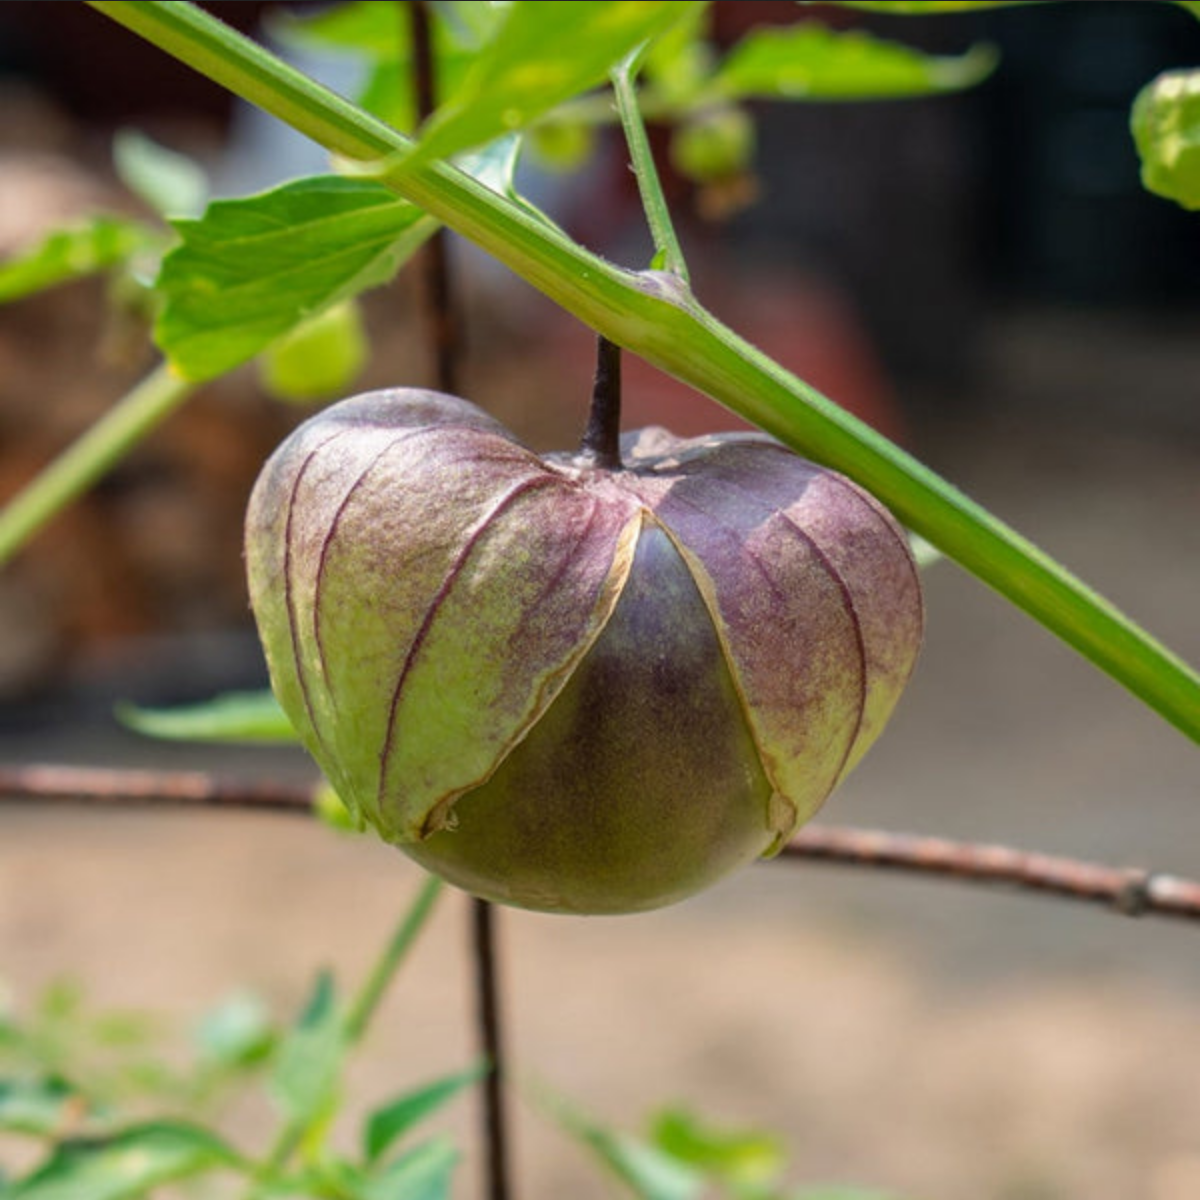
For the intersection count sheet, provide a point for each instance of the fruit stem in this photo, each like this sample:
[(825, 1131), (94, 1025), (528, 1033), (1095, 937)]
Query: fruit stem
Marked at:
[(601, 445)]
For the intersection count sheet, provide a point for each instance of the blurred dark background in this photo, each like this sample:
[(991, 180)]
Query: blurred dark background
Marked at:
[(981, 276)]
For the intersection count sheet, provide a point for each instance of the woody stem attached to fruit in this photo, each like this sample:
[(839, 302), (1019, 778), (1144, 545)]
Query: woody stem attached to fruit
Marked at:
[(601, 444)]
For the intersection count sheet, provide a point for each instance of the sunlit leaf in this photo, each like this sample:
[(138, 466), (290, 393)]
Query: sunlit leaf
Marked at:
[(810, 61), (172, 184), (250, 270), (233, 717), (391, 1121), (72, 253), (125, 1165), (737, 1157), (544, 53), (1166, 130)]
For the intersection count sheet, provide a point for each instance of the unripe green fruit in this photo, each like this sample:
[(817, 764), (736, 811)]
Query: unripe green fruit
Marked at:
[(1166, 130), (565, 687)]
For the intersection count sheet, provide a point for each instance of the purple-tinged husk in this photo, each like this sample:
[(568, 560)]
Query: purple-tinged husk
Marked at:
[(565, 687)]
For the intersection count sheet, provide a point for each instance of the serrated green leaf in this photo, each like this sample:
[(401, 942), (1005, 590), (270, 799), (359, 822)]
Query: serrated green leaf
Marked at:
[(318, 360), (736, 1157), (310, 1056), (424, 1173), (250, 270), (391, 1121), (1165, 122), (544, 53), (72, 253), (812, 62), (233, 717), (127, 1164), (41, 1107), (172, 184)]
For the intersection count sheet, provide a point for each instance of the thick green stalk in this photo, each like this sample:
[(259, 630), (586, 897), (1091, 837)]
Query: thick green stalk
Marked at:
[(85, 460), (656, 317)]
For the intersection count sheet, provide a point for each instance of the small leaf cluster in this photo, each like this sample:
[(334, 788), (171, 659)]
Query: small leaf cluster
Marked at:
[(681, 1156), (115, 1115)]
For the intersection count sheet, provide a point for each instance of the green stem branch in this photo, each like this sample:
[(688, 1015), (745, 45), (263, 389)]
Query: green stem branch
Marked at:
[(669, 253), (394, 953), (88, 458), (656, 316)]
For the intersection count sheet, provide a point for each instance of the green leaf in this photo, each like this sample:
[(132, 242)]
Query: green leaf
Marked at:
[(41, 1107), (250, 270), (233, 717), (651, 1173), (310, 1057), (736, 1157), (318, 360), (473, 22), (380, 32), (172, 184), (237, 1033), (680, 62), (72, 253), (544, 53), (391, 1121), (1165, 122), (424, 1173), (811, 62), (127, 1164), (1192, 6)]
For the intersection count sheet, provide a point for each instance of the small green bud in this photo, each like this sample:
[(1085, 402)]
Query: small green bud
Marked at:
[(566, 687), (714, 145), (319, 359)]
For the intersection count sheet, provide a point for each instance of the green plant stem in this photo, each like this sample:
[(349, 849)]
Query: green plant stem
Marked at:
[(655, 316), (358, 1018), (669, 253), (365, 1004), (83, 462)]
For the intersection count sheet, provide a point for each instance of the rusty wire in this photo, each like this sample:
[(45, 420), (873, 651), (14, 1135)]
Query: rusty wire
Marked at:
[(1130, 891)]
